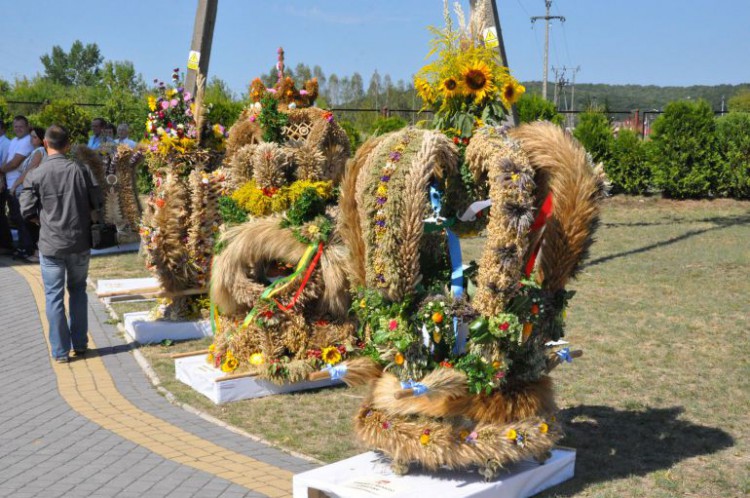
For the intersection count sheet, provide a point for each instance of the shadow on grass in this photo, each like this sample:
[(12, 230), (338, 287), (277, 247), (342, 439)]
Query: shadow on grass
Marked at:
[(613, 444), (719, 224)]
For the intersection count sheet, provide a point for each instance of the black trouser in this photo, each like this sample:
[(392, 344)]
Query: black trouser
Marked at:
[(25, 242), (6, 240)]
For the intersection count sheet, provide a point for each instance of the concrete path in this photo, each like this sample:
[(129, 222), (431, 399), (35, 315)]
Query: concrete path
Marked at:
[(96, 427)]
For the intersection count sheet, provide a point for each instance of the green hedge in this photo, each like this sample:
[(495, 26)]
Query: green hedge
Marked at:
[(733, 134), (628, 168)]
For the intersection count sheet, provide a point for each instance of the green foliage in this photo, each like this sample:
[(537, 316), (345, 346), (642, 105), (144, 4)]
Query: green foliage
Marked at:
[(534, 108), (355, 139), (123, 106), (224, 112), (143, 180), (740, 102), (231, 213), (309, 205), (67, 114), (78, 67), (628, 168), (382, 125), (595, 134), (685, 155), (733, 132), (5, 115), (271, 120)]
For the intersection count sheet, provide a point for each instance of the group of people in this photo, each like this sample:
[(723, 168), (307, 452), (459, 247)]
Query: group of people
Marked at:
[(106, 134), (52, 202)]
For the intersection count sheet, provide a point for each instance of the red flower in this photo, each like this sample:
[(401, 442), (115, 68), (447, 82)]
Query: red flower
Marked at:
[(534, 309), (393, 325), (465, 141), (504, 326), (446, 364), (456, 140)]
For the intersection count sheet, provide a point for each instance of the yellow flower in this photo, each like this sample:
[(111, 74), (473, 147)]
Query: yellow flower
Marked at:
[(212, 348), (256, 359), (210, 359), (450, 87), (436, 337), (424, 90), (152, 102), (512, 91), (543, 428), (171, 92), (230, 364), (477, 80), (463, 434), (512, 434), (424, 439), (363, 304), (330, 355), (564, 314)]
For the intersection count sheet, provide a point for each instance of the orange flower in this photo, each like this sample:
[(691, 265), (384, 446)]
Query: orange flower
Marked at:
[(437, 317), (398, 359), (534, 309)]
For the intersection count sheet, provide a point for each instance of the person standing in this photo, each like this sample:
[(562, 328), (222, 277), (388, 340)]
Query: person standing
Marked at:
[(18, 150), (61, 195), (123, 130), (29, 231), (97, 128), (6, 240)]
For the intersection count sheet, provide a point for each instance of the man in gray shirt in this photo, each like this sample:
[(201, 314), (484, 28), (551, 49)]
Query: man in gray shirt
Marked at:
[(61, 194)]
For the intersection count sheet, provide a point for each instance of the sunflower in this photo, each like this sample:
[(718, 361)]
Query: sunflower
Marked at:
[(230, 364), (424, 90), (450, 87), (477, 80), (330, 355), (512, 91), (256, 359)]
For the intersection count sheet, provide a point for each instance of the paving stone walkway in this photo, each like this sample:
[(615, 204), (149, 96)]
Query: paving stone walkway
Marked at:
[(97, 427)]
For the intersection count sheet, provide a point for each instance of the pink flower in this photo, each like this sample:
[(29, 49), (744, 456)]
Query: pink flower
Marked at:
[(252, 118), (271, 90), (173, 102), (164, 105), (303, 92), (186, 96), (393, 325)]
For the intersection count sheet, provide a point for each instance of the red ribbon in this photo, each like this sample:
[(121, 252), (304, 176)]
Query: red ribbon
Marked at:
[(541, 218), (309, 271)]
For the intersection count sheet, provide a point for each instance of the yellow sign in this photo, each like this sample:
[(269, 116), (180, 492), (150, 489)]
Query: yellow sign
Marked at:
[(193, 60), (490, 38)]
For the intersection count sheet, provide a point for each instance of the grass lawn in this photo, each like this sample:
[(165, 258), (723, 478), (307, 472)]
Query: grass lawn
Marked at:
[(658, 405)]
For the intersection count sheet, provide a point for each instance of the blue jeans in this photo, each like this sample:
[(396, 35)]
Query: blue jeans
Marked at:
[(62, 332)]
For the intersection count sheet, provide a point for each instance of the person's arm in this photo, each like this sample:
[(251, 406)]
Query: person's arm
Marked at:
[(14, 163), (29, 199), (32, 165)]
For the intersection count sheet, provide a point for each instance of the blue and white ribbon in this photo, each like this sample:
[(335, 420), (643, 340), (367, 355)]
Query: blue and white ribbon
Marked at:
[(454, 244), (416, 387), (476, 207), (564, 355), (336, 372)]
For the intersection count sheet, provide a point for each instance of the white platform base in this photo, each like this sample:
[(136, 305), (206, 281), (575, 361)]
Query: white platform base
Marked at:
[(129, 247), (195, 372), (123, 285), (368, 476), (144, 331)]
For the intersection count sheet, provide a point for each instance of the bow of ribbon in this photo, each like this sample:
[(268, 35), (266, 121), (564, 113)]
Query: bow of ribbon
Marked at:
[(417, 387), (564, 355), (337, 372)]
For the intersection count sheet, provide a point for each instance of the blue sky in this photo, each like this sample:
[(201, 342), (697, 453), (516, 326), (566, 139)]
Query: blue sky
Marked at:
[(660, 42)]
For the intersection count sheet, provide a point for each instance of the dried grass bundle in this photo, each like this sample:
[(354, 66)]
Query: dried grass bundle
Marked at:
[(243, 132), (308, 162), (93, 160), (241, 163), (126, 162), (577, 190), (270, 162), (348, 222)]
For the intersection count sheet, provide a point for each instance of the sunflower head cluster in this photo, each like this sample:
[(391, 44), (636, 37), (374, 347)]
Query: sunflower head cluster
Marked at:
[(465, 78)]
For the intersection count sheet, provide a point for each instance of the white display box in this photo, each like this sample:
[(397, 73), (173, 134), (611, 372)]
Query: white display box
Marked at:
[(145, 331), (129, 247), (198, 374), (125, 285), (369, 475)]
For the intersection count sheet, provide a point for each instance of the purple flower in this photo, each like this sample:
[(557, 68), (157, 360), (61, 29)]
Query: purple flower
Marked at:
[(385, 178), (380, 223), (380, 200), (303, 92), (181, 89), (395, 156), (271, 90)]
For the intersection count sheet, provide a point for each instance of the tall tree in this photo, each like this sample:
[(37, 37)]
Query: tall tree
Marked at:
[(318, 73), (122, 75), (387, 88), (374, 88), (302, 73), (333, 89), (357, 86), (78, 67)]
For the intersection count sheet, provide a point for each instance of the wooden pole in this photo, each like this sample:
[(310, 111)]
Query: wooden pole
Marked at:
[(189, 353), (319, 375), (200, 47)]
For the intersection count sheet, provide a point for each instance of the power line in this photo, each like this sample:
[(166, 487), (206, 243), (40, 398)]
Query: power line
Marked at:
[(547, 18)]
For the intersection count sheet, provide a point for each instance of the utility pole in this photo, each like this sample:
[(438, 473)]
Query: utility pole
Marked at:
[(513, 119), (571, 117), (200, 47), (547, 18), (560, 83)]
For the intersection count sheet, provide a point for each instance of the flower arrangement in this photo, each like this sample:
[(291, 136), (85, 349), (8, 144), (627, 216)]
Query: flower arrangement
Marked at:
[(466, 84), (265, 201), (171, 120)]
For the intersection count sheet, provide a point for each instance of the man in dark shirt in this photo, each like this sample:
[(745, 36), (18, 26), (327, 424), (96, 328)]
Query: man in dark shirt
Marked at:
[(61, 195)]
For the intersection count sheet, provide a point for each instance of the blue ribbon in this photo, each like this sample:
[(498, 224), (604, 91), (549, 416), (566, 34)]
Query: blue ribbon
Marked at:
[(459, 345), (336, 372), (416, 387), (454, 246), (564, 355)]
